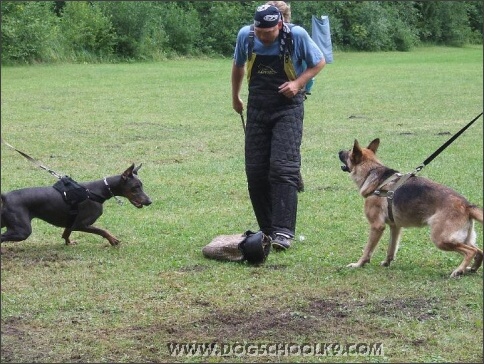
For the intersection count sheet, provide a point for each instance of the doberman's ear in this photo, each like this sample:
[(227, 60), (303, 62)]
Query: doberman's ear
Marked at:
[(137, 169), (128, 173)]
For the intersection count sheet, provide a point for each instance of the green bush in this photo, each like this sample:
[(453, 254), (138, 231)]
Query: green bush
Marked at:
[(221, 22), (445, 22), (139, 29), (370, 28), (49, 31), (29, 32), (454, 24), (183, 26), (153, 43), (403, 28), (474, 11), (86, 30), (403, 37)]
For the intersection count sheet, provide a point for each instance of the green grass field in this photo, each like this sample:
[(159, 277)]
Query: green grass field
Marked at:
[(94, 303)]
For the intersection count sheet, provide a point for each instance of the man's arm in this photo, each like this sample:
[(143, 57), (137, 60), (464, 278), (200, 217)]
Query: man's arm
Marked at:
[(309, 73), (291, 88), (237, 79)]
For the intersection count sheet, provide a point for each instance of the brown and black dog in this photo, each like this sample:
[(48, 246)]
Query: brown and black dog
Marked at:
[(416, 202), (19, 207)]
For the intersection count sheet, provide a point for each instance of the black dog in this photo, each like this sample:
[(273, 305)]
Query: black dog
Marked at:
[(19, 207)]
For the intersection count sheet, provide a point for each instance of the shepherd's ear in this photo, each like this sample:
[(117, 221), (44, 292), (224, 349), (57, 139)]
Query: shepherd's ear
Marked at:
[(373, 146), (356, 147), (356, 153)]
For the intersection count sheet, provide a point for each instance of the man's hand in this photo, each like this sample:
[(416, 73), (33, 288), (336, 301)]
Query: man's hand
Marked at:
[(290, 89), (238, 105)]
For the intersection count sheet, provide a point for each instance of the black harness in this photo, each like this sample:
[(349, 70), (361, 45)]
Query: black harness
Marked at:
[(73, 194)]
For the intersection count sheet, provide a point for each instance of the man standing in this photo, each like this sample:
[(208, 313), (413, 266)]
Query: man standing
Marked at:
[(274, 54)]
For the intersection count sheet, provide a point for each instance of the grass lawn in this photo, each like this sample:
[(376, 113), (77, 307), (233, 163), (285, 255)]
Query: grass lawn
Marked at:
[(94, 303)]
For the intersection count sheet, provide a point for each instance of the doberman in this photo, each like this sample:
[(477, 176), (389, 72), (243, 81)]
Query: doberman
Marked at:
[(19, 207)]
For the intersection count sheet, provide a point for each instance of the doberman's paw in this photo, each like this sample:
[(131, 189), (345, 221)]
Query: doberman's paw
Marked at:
[(114, 242)]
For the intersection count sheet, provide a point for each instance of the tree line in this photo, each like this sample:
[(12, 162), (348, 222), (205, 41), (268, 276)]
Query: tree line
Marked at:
[(112, 31)]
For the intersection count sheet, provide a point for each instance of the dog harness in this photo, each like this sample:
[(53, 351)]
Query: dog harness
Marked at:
[(73, 194), (399, 180)]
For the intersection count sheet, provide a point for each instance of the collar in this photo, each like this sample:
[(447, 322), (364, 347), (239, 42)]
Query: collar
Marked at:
[(111, 192)]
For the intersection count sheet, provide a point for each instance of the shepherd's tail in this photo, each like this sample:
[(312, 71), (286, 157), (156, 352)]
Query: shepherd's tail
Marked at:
[(475, 213), (1, 211)]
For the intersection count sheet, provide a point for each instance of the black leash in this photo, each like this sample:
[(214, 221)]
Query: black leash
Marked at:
[(446, 144), (60, 185), (425, 162), (54, 173), (242, 119), (400, 179), (35, 161)]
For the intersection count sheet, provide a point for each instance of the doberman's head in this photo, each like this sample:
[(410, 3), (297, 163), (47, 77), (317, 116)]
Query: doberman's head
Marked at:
[(132, 187)]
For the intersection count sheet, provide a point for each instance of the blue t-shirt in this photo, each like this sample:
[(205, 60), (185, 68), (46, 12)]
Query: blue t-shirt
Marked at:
[(306, 52)]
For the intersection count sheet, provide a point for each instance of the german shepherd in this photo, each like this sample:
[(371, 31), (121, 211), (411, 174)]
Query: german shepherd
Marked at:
[(412, 202)]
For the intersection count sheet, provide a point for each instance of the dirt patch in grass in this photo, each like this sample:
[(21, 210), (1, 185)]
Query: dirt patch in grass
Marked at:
[(320, 320), (193, 268), (22, 342), (418, 308), (14, 254)]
